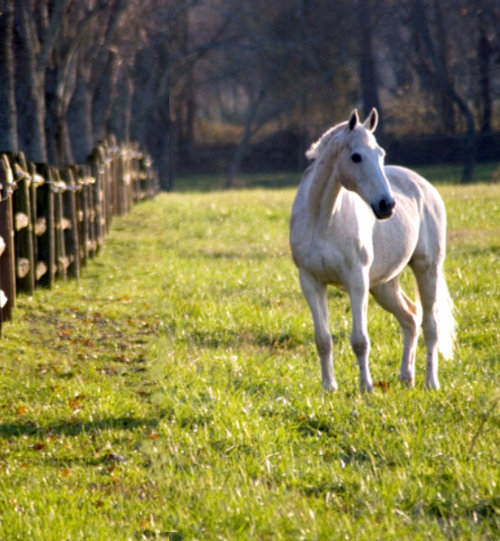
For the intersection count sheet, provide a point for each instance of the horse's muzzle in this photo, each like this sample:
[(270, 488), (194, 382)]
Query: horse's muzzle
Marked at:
[(384, 208)]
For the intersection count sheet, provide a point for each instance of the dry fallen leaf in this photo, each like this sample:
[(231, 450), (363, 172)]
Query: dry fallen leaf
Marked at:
[(38, 446), (22, 410)]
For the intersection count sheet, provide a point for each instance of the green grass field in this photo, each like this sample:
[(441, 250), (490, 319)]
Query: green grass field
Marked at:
[(175, 388)]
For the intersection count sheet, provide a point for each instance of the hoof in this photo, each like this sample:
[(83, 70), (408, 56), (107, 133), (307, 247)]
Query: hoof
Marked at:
[(432, 384), (366, 387), (329, 386), (408, 381)]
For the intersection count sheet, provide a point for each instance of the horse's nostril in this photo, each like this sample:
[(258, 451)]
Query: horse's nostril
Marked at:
[(385, 208), (386, 205)]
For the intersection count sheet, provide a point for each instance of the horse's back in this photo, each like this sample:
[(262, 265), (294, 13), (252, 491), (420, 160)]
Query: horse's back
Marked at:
[(412, 184), (428, 210)]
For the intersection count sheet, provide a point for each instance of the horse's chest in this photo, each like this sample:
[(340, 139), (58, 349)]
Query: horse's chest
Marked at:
[(331, 264)]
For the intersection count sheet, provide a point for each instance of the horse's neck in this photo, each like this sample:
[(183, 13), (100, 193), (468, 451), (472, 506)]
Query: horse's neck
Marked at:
[(324, 192)]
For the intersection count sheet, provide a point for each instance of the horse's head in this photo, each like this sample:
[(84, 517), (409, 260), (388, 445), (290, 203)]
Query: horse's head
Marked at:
[(361, 165)]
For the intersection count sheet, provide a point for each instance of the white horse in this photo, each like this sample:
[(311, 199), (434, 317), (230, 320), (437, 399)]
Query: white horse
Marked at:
[(336, 239)]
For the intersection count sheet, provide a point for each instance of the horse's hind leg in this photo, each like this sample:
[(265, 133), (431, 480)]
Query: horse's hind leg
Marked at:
[(392, 298), (427, 277), (316, 296)]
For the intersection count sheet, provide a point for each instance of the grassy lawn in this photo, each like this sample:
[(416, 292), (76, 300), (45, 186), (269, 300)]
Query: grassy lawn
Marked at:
[(176, 388)]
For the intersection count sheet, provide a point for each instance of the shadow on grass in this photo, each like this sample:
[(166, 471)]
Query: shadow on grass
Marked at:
[(73, 427)]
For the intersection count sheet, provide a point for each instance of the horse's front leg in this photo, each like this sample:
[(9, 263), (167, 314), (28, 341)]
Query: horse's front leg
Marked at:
[(360, 342), (316, 296)]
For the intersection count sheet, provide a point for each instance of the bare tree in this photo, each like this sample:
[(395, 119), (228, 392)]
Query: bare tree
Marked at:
[(96, 72), (37, 29), (434, 49), (368, 78), (278, 59), (8, 117), (487, 22)]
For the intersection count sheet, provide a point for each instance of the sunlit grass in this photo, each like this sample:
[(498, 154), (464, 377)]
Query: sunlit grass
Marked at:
[(176, 388)]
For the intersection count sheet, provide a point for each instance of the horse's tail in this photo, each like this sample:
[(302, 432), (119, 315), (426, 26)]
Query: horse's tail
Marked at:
[(446, 324)]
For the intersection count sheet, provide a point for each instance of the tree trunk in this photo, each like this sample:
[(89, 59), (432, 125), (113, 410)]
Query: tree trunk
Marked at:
[(79, 117), (31, 115), (446, 108), (65, 154), (242, 147), (367, 69), (8, 118), (241, 150), (122, 109), (102, 100), (484, 55), (51, 115), (30, 88), (58, 141)]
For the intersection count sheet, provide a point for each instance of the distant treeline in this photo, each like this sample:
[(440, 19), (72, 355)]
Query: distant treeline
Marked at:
[(285, 151)]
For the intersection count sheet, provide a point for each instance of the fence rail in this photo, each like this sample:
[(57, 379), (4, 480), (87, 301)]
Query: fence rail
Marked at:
[(52, 221)]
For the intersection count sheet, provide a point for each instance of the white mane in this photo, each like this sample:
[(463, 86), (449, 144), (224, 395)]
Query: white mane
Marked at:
[(319, 146)]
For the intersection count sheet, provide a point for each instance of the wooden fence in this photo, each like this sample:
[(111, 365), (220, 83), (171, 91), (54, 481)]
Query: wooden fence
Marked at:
[(52, 221)]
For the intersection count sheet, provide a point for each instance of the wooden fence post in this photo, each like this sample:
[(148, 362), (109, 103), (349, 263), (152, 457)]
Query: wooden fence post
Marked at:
[(46, 239), (132, 166), (122, 181), (58, 187), (39, 221), (83, 222), (71, 238), (111, 156), (89, 181), (144, 176), (101, 166), (23, 225), (7, 256), (91, 214), (100, 218), (96, 170)]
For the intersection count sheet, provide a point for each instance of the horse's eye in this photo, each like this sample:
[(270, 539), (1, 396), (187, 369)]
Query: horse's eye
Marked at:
[(356, 158)]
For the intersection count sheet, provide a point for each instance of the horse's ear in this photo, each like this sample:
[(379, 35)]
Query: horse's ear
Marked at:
[(354, 119), (371, 121)]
